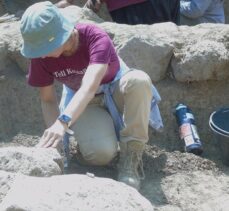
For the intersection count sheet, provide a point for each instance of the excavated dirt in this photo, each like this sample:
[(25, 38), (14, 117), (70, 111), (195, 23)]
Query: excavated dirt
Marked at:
[(159, 166)]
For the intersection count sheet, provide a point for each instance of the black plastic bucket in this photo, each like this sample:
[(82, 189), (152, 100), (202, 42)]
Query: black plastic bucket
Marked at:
[(219, 123)]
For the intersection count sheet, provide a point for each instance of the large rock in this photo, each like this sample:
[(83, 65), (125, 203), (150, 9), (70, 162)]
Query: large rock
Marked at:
[(149, 55), (148, 48), (72, 193), (31, 161), (6, 181), (204, 54)]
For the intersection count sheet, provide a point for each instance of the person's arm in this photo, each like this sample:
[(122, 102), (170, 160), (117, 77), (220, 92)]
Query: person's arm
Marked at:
[(90, 83), (50, 112), (194, 8), (49, 104)]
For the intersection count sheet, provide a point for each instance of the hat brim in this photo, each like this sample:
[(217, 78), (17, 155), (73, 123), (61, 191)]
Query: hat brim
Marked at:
[(46, 48)]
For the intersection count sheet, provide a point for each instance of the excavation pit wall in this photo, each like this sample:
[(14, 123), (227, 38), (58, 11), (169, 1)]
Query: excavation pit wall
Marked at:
[(186, 64)]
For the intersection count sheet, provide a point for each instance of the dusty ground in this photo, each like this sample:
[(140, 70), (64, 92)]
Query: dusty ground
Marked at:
[(159, 165)]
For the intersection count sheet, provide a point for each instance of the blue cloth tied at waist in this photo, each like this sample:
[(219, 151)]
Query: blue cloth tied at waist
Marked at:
[(155, 120)]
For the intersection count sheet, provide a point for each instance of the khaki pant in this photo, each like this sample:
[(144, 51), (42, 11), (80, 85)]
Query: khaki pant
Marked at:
[(94, 129)]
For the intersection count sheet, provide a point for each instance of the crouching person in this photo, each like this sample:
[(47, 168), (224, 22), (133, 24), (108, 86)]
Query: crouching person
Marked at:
[(83, 58)]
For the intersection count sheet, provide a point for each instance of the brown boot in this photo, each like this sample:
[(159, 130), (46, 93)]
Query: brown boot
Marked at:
[(130, 162)]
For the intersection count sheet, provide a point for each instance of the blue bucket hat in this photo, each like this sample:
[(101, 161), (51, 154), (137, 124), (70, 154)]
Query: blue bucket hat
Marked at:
[(43, 29)]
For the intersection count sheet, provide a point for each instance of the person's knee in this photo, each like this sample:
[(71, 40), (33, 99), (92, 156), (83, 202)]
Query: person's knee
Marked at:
[(142, 79), (138, 80), (100, 157)]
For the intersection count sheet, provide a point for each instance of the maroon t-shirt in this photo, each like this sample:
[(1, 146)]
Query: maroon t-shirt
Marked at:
[(117, 4), (95, 47)]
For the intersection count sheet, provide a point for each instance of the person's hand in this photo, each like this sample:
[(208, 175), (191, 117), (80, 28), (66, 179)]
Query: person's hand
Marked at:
[(53, 135), (94, 5)]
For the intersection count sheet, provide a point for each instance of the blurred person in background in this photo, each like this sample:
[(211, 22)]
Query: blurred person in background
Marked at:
[(136, 11), (205, 11)]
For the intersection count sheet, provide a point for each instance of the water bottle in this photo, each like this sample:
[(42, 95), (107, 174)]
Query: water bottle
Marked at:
[(187, 129)]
